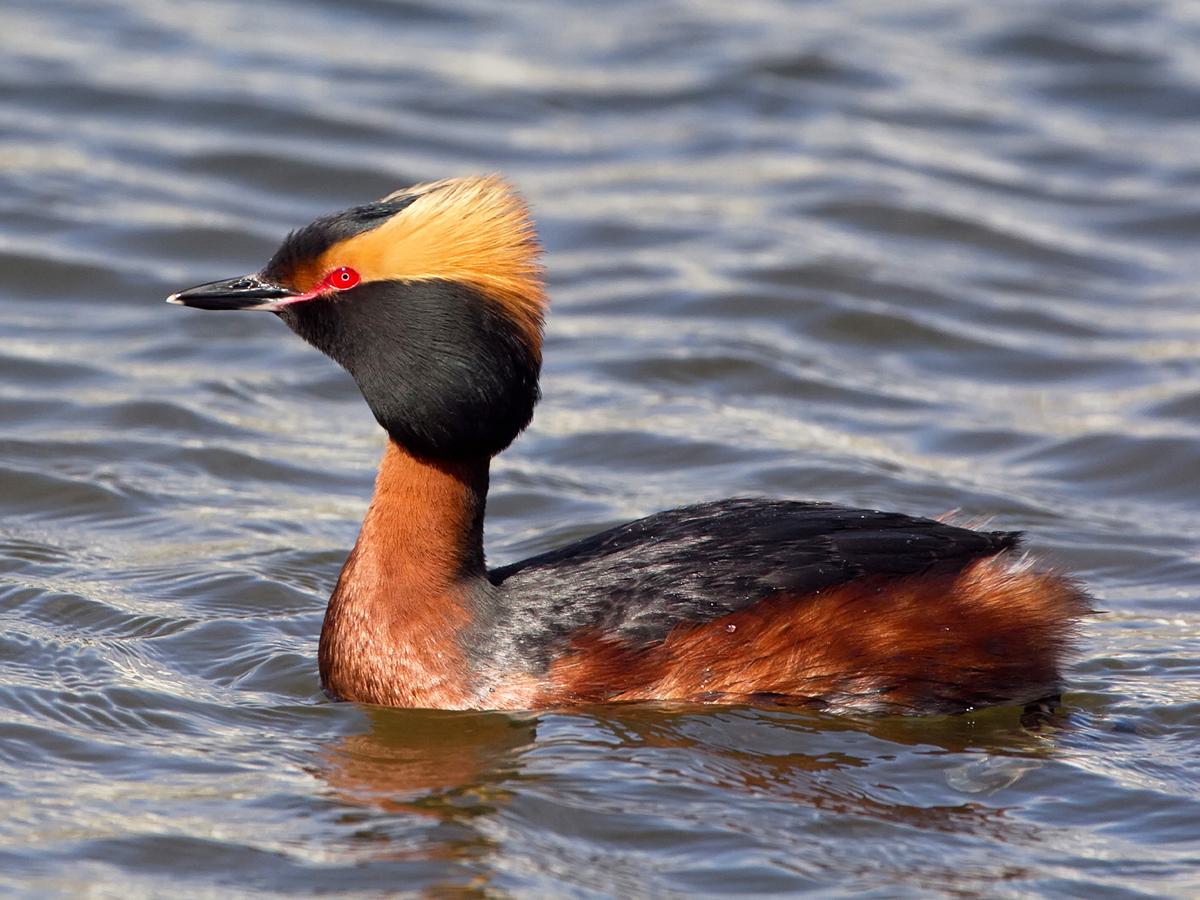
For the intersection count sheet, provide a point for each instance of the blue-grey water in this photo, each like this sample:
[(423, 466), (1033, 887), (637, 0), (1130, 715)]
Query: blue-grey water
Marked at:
[(921, 255)]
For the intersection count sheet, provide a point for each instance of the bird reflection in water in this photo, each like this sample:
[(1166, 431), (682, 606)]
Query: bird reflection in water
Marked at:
[(460, 772), (428, 762)]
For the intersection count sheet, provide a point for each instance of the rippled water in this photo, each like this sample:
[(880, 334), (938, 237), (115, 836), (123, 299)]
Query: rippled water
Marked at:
[(918, 255)]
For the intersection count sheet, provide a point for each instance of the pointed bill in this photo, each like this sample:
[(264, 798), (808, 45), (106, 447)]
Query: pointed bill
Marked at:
[(243, 292)]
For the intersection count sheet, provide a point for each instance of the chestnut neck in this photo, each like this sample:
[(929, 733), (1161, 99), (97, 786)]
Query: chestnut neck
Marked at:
[(405, 597), (426, 518)]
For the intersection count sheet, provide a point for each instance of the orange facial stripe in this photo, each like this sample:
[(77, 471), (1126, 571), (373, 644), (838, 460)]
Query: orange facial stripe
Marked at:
[(471, 230)]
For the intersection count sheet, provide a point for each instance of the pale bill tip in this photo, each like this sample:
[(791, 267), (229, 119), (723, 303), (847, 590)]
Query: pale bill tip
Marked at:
[(174, 298)]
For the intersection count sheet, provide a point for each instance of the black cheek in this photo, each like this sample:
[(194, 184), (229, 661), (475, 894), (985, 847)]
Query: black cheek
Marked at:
[(441, 366)]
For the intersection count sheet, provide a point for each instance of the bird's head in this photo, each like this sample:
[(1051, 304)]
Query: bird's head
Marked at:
[(431, 298)]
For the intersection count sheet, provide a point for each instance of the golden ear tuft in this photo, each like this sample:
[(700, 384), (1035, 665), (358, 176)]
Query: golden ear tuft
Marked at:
[(475, 230)]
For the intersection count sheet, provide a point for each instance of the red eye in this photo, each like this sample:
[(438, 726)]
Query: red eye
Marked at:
[(341, 279)]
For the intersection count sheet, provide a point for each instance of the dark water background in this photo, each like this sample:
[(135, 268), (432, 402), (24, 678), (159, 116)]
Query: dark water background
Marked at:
[(916, 255)]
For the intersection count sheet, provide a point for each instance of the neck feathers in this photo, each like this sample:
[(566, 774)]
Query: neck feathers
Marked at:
[(403, 599), (426, 517)]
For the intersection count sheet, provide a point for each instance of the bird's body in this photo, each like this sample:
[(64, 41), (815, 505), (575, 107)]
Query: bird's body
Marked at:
[(431, 299)]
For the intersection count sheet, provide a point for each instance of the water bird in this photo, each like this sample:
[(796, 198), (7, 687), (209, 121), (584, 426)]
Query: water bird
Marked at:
[(432, 299)]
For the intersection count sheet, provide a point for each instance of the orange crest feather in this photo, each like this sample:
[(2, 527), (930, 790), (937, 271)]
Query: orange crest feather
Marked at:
[(475, 230)]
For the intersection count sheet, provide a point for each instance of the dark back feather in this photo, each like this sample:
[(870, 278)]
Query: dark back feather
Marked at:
[(636, 582)]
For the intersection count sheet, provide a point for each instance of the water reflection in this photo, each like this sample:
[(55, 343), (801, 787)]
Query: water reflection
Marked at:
[(468, 769), (427, 762)]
